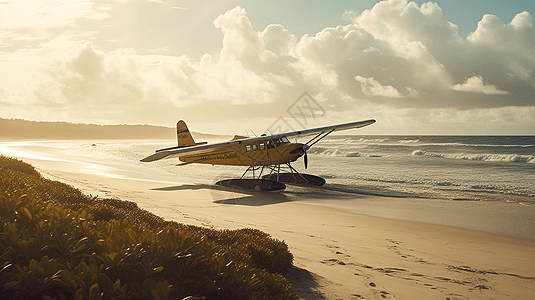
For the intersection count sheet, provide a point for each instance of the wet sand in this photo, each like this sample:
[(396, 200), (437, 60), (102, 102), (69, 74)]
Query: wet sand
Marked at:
[(337, 254)]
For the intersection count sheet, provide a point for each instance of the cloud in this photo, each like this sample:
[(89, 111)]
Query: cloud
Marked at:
[(411, 47), (475, 84), (371, 87), (35, 15), (88, 78), (395, 56), (348, 15)]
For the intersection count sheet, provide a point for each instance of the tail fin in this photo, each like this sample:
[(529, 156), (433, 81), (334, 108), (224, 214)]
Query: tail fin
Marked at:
[(183, 135)]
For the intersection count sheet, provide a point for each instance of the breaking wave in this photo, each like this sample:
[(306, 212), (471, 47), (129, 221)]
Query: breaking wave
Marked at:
[(340, 152), (418, 143), (430, 141), (483, 157), (475, 145)]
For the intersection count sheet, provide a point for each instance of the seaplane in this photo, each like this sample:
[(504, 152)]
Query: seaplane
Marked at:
[(267, 157)]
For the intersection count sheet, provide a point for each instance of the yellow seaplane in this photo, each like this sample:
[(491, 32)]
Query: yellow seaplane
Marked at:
[(273, 153)]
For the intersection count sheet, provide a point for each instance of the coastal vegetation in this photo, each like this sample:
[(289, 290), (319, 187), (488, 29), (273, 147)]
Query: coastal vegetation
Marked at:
[(58, 243)]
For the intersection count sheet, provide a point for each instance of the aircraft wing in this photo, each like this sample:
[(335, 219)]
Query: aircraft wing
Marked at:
[(319, 130), (164, 154)]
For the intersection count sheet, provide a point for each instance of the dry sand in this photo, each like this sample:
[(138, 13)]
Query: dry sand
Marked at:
[(337, 254)]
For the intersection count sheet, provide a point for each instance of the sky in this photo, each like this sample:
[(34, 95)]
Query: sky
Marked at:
[(231, 67)]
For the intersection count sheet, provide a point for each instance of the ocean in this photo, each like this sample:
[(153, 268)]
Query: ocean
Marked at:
[(480, 168), (467, 175)]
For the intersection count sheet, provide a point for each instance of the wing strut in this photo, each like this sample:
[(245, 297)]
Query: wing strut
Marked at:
[(318, 137)]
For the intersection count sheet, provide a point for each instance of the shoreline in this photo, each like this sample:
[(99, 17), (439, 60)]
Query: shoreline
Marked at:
[(337, 254), (509, 218), (502, 218)]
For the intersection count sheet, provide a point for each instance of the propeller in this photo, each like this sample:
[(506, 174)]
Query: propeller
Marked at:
[(305, 159), (304, 148)]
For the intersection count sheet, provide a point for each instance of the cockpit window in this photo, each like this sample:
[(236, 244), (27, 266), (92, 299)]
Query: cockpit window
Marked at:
[(279, 141)]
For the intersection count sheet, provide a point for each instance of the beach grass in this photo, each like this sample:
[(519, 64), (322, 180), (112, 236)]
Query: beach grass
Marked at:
[(58, 243)]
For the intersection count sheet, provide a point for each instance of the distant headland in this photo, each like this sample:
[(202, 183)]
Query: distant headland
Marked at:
[(24, 129)]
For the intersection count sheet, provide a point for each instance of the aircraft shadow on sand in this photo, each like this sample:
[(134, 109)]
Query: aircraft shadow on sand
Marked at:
[(231, 195)]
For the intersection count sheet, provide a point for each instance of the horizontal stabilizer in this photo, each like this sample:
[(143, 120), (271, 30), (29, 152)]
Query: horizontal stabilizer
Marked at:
[(155, 156), (180, 147)]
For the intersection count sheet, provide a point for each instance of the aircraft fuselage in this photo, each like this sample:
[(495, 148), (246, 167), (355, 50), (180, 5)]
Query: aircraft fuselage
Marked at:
[(261, 153)]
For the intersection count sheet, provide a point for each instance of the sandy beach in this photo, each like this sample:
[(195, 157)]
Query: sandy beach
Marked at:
[(337, 254)]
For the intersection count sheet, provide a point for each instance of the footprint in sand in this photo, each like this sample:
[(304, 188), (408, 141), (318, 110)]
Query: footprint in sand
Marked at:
[(333, 261), (383, 294)]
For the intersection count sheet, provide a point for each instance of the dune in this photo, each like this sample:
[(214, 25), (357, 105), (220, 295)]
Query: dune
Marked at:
[(337, 254)]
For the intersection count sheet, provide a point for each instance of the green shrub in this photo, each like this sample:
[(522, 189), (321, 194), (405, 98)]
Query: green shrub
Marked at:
[(56, 243)]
